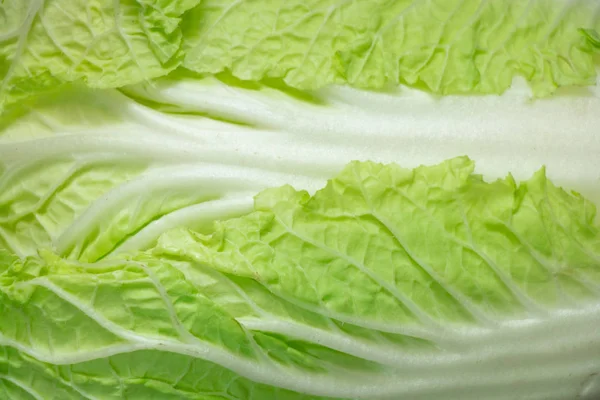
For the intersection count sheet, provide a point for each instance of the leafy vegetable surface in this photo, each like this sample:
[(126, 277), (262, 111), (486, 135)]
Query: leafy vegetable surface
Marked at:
[(458, 46), (445, 46), (103, 43), (354, 292), (170, 227)]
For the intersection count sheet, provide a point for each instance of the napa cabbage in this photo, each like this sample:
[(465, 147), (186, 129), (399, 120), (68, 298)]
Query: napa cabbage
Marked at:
[(260, 200)]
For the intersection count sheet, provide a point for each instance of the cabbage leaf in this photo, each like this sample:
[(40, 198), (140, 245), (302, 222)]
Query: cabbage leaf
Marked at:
[(388, 282), (255, 200)]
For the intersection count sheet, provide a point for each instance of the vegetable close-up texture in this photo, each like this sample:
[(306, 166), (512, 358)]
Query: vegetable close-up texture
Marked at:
[(299, 200)]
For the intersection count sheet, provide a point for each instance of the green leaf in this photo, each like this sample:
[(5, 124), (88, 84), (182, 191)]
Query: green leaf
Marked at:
[(143, 374), (103, 43), (82, 172), (592, 36), (446, 47), (411, 247), (386, 283)]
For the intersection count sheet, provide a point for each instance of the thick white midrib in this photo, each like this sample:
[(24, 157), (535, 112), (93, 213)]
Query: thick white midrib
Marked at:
[(297, 154), (307, 160), (502, 133), (470, 351), (381, 385), (362, 113), (303, 159), (561, 376)]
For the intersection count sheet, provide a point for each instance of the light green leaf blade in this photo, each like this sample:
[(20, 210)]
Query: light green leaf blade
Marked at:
[(138, 375), (432, 244), (388, 282), (446, 47), (103, 43), (86, 172)]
